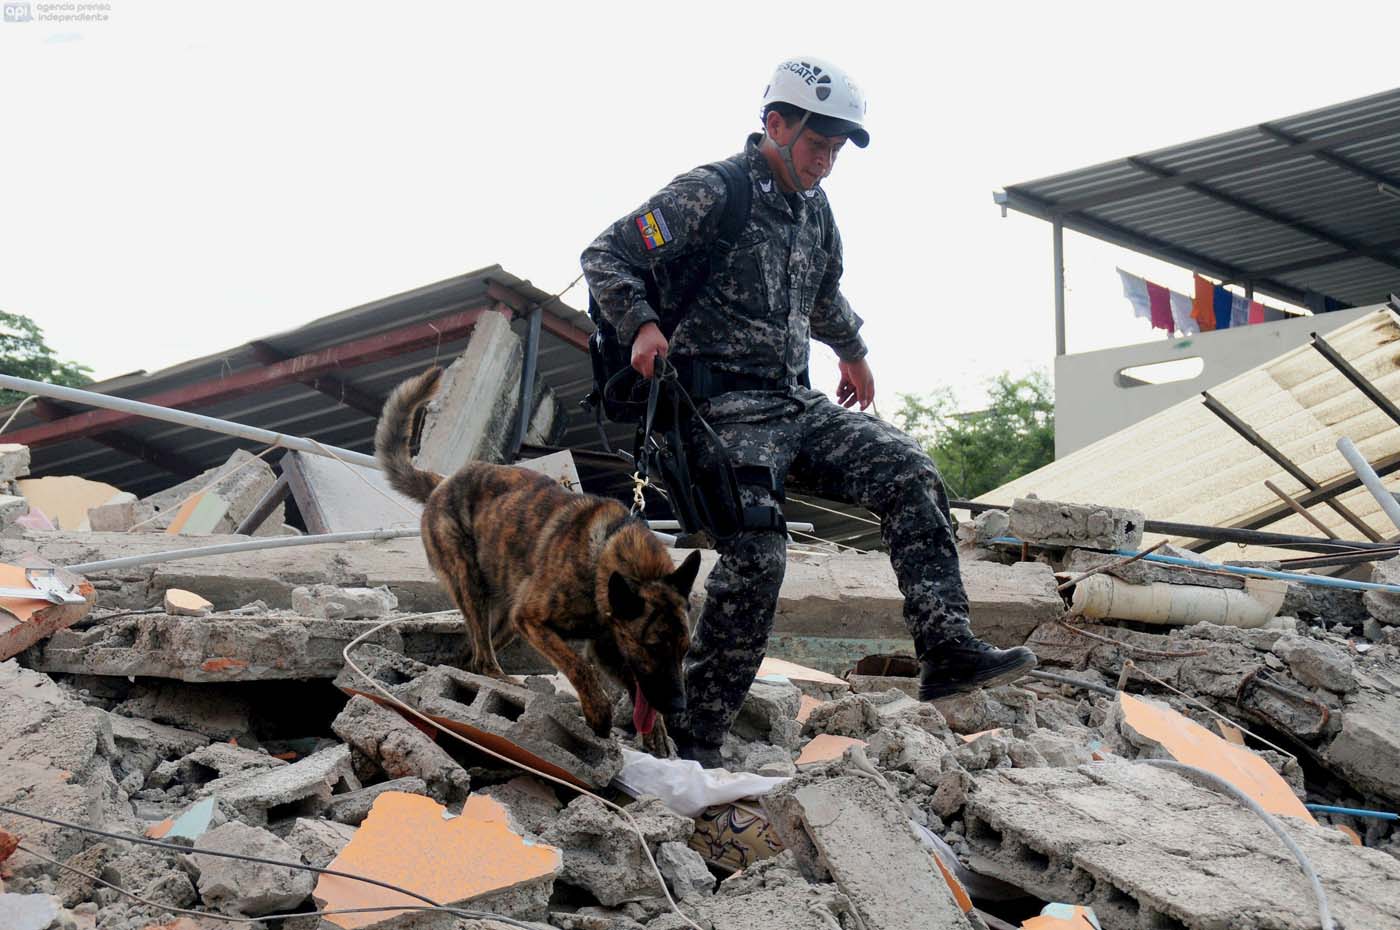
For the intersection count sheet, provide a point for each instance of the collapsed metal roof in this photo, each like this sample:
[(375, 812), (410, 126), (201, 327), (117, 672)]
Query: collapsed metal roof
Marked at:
[(1304, 208), (327, 380)]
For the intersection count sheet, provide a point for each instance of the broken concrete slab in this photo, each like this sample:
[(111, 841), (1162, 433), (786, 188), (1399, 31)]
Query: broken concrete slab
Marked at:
[(218, 712), (684, 870), (472, 415), (319, 841), (848, 829), (1315, 664), (222, 497), (401, 749), (773, 896), (1147, 848), (824, 747), (331, 602), (245, 646), (353, 807), (26, 621), (540, 730), (769, 714), (530, 802), (339, 497), (473, 861), (239, 887), (301, 789), (55, 756), (121, 516), (14, 461), (603, 854), (1078, 561), (1086, 526)]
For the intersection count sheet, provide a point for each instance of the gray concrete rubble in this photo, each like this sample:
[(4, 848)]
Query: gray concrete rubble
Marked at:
[(1383, 606), (14, 461), (121, 516), (1078, 561), (401, 749), (684, 870), (11, 509), (239, 646), (353, 807), (319, 841), (229, 494), (510, 718), (773, 895), (237, 887), (602, 853), (530, 803), (473, 413), (303, 788), (1057, 523), (1142, 866), (329, 602), (853, 831)]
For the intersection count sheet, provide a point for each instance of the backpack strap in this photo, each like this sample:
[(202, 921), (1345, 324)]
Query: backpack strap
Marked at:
[(738, 201)]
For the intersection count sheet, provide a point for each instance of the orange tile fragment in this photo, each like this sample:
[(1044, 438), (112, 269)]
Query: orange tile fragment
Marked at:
[(8, 844), (1078, 921), (804, 709), (1348, 832), (825, 747), (223, 664), (1191, 743), (409, 840), (796, 672)]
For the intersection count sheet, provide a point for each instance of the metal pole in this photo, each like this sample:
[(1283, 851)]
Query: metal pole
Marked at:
[(1059, 239), (1368, 477), (183, 418)]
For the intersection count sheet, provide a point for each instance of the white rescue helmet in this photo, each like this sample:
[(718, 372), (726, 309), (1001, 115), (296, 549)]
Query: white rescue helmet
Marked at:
[(835, 102)]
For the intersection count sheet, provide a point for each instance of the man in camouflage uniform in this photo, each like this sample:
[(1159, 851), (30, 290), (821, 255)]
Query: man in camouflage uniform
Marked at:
[(741, 343)]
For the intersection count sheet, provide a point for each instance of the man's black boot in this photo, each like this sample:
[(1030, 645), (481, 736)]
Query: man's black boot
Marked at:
[(708, 756), (967, 664)]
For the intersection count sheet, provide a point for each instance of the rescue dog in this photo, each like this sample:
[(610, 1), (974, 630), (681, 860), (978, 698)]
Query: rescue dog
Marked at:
[(521, 555)]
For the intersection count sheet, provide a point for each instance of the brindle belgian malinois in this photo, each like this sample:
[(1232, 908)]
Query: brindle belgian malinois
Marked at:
[(514, 547)]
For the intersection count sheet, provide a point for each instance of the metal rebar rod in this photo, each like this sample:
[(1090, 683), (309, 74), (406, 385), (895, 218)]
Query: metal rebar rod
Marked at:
[(183, 418), (1362, 383), (1370, 479), (1299, 509)]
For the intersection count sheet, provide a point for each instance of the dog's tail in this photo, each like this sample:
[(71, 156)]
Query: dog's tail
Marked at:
[(391, 437)]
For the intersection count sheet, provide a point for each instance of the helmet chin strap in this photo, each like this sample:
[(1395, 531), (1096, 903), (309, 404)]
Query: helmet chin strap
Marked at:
[(785, 151)]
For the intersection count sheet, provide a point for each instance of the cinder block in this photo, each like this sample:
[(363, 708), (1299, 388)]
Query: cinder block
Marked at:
[(14, 461), (302, 789), (1089, 526)]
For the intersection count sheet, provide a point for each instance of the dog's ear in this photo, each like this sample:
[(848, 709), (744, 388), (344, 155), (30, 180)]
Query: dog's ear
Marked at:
[(626, 602), (684, 577)]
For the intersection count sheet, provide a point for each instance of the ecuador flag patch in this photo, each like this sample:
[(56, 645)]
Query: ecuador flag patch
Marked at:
[(655, 232)]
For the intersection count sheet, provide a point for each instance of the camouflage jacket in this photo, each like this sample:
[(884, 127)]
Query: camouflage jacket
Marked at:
[(761, 302)]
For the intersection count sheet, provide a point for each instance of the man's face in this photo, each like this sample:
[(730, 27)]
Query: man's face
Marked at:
[(813, 155)]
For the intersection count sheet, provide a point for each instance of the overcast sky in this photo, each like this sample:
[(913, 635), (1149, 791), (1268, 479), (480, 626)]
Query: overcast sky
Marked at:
[(184, 177)]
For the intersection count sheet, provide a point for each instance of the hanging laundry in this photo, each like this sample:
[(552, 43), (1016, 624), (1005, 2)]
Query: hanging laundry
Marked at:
[(1181, 314), (1161, 301), (1222, 302), (1239, 310), (1135, 289), (1203, 306), (1256, 312), (1274, 315)]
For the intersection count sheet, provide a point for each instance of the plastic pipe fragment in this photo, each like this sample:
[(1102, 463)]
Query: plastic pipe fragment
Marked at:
[(1351, 812), (1104, 596), (1368, 477)]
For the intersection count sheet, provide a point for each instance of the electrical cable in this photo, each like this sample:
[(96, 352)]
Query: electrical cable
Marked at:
[(1323, 910), (636, 828)]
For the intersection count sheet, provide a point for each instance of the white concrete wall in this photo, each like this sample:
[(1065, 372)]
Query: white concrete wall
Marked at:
[(1090, 403)]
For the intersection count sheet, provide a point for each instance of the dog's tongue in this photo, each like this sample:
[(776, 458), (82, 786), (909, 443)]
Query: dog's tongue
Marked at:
[(643, 716)]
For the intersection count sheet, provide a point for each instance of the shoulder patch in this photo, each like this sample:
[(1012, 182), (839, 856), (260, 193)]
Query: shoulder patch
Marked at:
[(652, 226)]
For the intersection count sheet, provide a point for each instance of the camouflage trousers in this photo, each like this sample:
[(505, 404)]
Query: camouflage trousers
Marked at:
[(840, 454)]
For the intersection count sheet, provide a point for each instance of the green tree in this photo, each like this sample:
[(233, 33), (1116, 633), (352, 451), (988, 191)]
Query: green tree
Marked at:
[(983, 449), (25, 354)]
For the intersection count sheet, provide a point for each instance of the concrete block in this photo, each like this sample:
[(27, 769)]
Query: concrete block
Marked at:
[(1144, 572), (229, 493), (186, 604), (301, 789), (1087, 526), (401, 749), (849, 829), (238, 887), (144, 744), (531, 803), (219, 713), (319, 841), (604, 855), (812, 682), (471, 861), (771, 896), (769, 714), (538, 729), (14, 461), (1115, 843), (233, 647), (11, 509), (559, 466), (472, 416), (1315, 664), (1366, 751), (684, 870), (329, 602), (1383, 606), (119, 516)]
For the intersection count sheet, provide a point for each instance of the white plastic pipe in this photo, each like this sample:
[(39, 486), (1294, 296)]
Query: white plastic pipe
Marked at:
[(183, 418), (1103, 596), (1368, 477)]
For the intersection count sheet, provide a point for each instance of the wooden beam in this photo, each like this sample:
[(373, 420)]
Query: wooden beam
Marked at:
[(331, 386), (253, 380), (125, 443)]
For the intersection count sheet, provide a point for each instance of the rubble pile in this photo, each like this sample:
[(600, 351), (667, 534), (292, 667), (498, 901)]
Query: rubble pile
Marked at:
[(207, 704)]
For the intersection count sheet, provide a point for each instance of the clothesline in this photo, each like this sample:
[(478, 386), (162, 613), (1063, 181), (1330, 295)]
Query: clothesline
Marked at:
[(1212, 307)]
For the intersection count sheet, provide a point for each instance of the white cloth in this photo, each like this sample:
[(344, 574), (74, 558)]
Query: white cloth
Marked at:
[(685, 787), (1135, 289), (1181, 315)]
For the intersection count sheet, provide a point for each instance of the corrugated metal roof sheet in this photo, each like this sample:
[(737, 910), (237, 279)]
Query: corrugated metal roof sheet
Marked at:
[(1293, 205), (1186, 465), (302, 410)]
